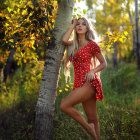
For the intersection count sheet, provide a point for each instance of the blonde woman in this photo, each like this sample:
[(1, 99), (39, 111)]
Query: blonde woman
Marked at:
[(87, 84)]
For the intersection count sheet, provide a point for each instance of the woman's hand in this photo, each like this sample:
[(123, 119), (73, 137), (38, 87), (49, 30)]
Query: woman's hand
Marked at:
[(89, 75), (74, 21)]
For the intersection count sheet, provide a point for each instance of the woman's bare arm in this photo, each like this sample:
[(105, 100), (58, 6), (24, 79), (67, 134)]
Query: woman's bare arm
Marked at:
[(66, 36), (103, 63)]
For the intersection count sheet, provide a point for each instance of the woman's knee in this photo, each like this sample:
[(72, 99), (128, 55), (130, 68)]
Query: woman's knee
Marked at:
[(63, 105)]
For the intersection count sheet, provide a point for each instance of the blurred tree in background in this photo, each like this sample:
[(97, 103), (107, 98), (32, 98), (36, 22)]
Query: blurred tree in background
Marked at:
[(113, 17)]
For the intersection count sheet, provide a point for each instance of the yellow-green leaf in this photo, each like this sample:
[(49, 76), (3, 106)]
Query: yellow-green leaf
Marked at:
[(75, 9), (121, 40), (125, 33), (9, 9), (11, 40), (84, 11), (24, 12)]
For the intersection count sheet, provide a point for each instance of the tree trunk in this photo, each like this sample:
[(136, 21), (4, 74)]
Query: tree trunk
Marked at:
[(9, 63), (55, 51), (137, 33), (133, 32), (114, 55)]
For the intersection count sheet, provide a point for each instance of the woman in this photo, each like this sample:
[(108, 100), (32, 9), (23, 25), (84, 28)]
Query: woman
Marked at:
[(87, 85)]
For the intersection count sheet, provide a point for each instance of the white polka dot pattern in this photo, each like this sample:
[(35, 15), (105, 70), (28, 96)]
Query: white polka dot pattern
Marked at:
[(81, 63)]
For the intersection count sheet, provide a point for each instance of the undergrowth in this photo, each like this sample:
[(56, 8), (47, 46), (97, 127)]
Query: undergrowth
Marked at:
[(119, 112)]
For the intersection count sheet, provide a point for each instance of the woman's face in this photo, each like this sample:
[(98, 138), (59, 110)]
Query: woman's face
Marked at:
[(81, 27)]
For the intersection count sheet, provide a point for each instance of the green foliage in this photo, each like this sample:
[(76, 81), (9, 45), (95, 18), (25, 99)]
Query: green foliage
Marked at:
[(113, 16), (121, 105), (77, 0), (78, 11), (28, 26), (118, 112), (127, 80), (18, 98), (108, 39)]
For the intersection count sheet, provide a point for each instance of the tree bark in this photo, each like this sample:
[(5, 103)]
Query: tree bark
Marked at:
[(133, 32), (55, 51), (114, 55), (9, 63), (137, 33)]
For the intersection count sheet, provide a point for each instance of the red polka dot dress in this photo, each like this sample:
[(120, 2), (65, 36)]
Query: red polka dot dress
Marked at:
[(81, 63)]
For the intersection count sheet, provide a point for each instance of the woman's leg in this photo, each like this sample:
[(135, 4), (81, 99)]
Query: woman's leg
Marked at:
[(90, 108), (79, 95)]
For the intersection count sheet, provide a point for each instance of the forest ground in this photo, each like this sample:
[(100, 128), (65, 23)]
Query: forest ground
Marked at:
[(119, 112)]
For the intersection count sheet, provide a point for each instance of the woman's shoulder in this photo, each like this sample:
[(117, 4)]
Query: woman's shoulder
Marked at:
[(92, 42), (95, 47)]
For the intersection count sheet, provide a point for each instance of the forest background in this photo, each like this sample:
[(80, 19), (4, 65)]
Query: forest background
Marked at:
[(26, 35)]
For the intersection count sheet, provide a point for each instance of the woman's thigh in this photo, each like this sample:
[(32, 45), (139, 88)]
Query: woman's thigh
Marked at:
[(90, 106), (79, 95)]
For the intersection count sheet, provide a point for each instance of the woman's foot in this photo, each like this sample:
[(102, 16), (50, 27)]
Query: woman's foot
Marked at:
[(92, 131)]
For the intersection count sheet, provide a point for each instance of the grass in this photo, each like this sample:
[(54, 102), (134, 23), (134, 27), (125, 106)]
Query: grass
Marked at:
[(119, 112), (18, 99)]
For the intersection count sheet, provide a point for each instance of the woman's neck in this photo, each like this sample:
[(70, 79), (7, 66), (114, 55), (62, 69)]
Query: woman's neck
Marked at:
[(81, 36), (81, 39)]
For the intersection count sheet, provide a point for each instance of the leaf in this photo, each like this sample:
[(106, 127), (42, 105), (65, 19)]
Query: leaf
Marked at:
[(9, 9), (2, 15), (84, 11), (11, 40), (15, 12), (24, 12), (24, 60), (123, 36), (6, 24), (121, 40), (22, 54), (108, 49), (125, 33), (78, 15), (74, 16), (66, 89), (67, 85), (108, 33), (18, 10), (75, 9)]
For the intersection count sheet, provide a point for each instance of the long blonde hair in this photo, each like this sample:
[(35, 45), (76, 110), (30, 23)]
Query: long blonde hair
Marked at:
[(90, 36)]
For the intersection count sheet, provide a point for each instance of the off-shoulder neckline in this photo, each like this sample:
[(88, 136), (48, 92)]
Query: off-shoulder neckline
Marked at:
[(82, 48)]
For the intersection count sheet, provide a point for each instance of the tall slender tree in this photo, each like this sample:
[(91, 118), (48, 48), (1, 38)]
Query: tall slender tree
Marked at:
[(113, 18), (137, 33), (132, 23), (55, 51)]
